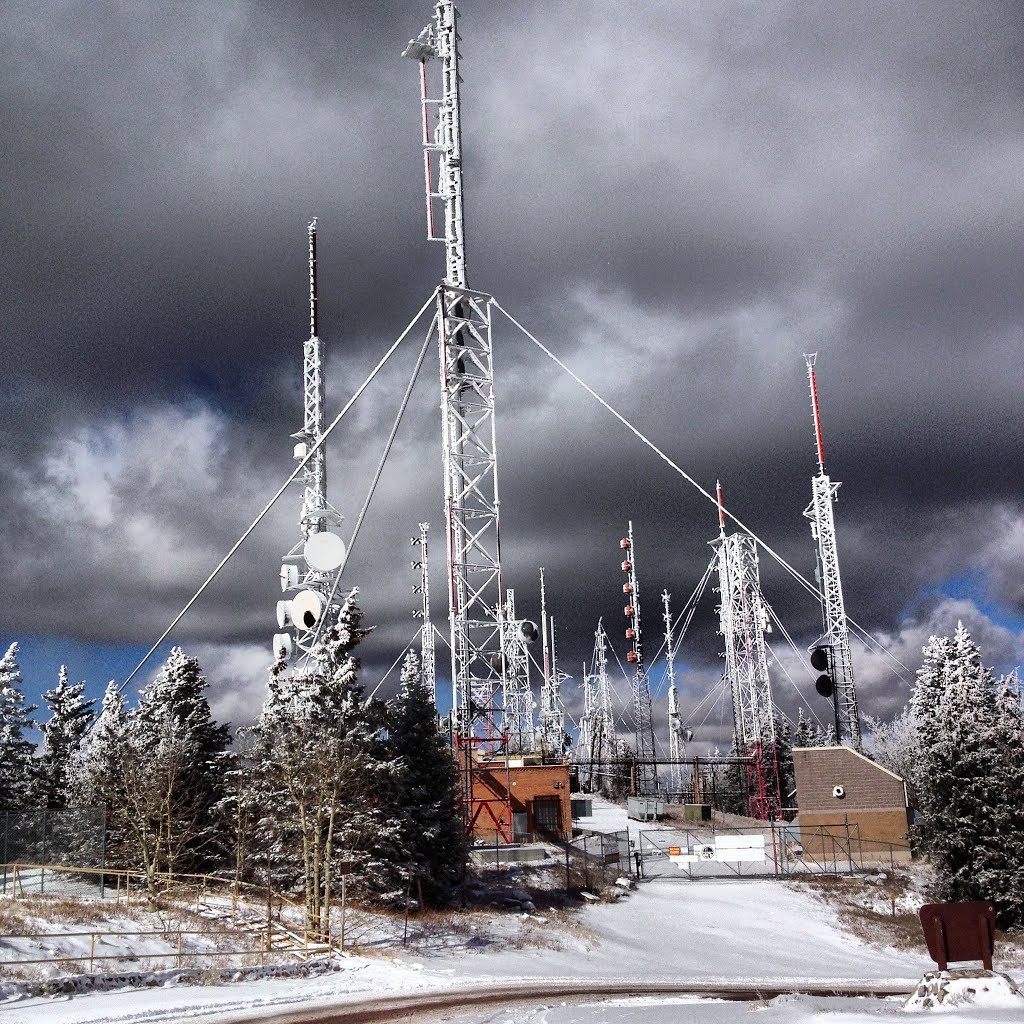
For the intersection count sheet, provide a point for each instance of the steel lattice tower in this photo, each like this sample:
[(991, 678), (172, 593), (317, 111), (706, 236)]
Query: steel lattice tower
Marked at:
[(836, 634), (427, 661), (551, 720), (310, 567), (463, 325), (646, 770), (743, 621), (518, 705), (596, 748), (675, 725)]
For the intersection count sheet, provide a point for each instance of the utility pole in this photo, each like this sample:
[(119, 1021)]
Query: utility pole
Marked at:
[(646, 773), (309, 570), (743, 623), (427, 665), (675, 726), (834, 644), (477, 620)]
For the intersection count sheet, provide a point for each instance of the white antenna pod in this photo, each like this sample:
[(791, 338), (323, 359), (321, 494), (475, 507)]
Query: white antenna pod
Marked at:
[(289, 577), (285, 615), (324, 551), (282, 647)]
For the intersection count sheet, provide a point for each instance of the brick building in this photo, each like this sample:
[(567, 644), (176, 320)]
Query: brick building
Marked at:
[(840, 792), (539, 796)]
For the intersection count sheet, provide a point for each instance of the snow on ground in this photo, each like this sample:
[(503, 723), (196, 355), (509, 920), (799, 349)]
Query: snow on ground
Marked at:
[(713, 930)]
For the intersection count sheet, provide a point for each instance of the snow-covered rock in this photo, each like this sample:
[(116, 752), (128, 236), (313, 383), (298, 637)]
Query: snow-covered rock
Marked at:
[(951, 990)]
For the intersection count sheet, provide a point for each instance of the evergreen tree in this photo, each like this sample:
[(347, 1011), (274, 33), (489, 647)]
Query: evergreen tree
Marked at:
[(176, 762), (961, 778), (95, 776), (70, 716), (895, 746), (806, 733), (17, 763), (323, 780), (784, 760), (434, 834), (1007, 817)]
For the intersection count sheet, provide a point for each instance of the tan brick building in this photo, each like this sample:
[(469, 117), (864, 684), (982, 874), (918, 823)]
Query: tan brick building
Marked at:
[(841, 794)]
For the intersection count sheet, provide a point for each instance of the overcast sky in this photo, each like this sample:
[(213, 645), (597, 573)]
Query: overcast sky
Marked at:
[(679, 198)]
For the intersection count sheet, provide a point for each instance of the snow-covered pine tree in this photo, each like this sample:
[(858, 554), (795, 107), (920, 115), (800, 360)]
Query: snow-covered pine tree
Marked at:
[(323, 780), (17, 763), (1007, 818), (175, 763), (806, 733), (960, 778), (784, 759), (894, 745), (70, 716), (434, 834), (95, 776)]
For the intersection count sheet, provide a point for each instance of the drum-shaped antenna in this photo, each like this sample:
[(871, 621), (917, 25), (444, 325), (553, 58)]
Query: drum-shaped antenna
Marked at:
[(308, 609), (285, 617), (282, 646), (289, 577), (324, 552)]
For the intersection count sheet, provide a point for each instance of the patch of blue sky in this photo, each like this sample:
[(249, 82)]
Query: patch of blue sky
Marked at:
[(40, 659)]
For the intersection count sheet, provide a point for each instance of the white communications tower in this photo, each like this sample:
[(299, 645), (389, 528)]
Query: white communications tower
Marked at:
[(675, 725), (310, 568), (479, 625), (743, 622)]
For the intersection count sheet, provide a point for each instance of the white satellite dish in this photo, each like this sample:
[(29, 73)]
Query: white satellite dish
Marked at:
[(307, 609), (285, 616), (289, 577), (282, 646), (324, 552)]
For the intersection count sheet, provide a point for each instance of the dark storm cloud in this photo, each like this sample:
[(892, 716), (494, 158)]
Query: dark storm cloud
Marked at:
[(680, 199)]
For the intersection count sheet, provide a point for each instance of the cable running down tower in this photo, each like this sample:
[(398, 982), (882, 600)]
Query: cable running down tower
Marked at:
[(831, 655)]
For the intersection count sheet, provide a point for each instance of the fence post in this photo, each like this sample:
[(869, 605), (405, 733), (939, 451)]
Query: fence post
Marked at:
[(103, 848), (92, 950), (586, 863), (177, 962), (567, 886)]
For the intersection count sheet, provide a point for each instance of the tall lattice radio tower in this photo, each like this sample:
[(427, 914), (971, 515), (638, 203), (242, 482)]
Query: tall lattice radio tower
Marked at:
[(831, 655), (478, 621), (743, 623)]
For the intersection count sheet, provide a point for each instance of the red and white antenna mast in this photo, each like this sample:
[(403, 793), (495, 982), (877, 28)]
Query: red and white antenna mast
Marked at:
[(831, 654), (646, 770), (479, 630)]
